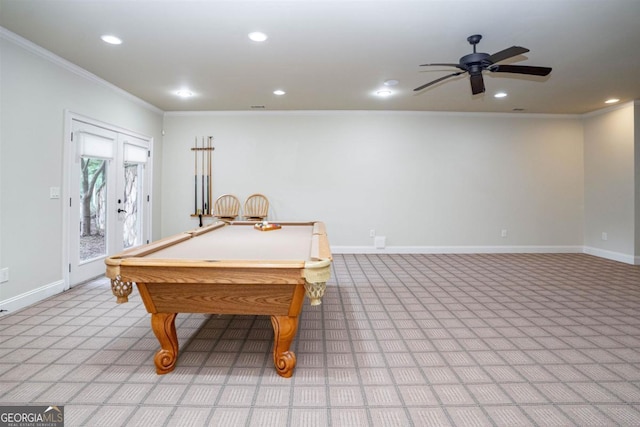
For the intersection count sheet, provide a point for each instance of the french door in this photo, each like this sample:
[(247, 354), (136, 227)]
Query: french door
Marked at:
[(109, 186)]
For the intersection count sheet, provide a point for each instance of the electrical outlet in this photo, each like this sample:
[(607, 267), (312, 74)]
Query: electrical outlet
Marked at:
[(372, 233), (604, 236), (504, 233), (380, 242), (4, 275)]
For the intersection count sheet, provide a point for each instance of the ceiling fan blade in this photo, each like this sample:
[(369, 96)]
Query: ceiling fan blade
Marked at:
[(477, 84), (507, 53), (437, 81), (521, 69), (440, 65)]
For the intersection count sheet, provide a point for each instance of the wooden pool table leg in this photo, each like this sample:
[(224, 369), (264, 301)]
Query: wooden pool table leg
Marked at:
[(164, 326), (284, 331)]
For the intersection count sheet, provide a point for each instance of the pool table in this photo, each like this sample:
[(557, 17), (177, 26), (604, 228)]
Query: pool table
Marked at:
[(227, 268)]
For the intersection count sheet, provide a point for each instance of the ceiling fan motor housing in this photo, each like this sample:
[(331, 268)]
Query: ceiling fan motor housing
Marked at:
[(474, 62)]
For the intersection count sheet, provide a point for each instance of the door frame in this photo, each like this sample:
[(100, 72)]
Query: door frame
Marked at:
[(67, 193)]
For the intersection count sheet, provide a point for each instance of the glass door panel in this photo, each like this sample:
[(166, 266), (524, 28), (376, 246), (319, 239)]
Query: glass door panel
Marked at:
[(92, 183), (93, 204), (132, 230)]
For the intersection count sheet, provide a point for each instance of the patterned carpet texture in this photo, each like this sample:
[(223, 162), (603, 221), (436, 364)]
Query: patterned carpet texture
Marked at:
[(399, 340)]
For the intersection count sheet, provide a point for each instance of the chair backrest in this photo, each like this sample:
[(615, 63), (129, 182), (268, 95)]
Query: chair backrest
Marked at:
[(226, 206), (256, 207)]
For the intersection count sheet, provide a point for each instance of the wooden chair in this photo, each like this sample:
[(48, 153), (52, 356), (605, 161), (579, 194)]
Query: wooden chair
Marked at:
[(226, 207), (256, 207)]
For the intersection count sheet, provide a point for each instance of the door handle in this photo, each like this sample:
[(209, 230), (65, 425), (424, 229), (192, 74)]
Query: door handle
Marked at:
[(121, 210)]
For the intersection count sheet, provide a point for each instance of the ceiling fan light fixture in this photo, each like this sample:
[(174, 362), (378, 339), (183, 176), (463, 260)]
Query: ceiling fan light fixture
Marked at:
[(611, 101), (500, 95), (257, 36), (384, 93)]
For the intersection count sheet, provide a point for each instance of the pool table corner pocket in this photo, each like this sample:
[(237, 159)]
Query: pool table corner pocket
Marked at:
[(121, 289), (316, 275)]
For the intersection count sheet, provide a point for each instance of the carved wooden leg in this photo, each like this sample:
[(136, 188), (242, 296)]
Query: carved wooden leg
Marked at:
[(164, 326), (284, 330)]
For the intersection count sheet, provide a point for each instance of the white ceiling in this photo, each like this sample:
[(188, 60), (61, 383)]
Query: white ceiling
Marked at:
[(330, 54)]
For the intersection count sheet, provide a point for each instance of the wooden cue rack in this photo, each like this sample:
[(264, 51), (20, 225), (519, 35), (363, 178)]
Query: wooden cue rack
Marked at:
[(203, 177)]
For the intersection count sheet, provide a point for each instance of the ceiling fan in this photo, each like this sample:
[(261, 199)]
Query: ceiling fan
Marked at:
[(477, 62)]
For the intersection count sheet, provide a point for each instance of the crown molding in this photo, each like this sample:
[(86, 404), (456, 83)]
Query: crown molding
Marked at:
[(73, 68), (370, 113)]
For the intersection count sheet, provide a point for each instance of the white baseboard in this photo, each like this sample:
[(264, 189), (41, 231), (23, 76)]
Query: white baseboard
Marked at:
[(615, 256), (33, 296), (454, 249)]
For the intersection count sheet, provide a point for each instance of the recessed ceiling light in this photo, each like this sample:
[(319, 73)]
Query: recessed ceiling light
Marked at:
[(279, 92), (257, 36), (500, 95), (383, 92), (391, 82), (111, 39), (611, 101), (184, 93)]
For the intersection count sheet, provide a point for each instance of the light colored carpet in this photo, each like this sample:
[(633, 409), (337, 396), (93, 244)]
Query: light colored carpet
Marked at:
[(400, 340)]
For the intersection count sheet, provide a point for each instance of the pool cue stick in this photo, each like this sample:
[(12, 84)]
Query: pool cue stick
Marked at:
[(203, 207), (195, 179), (208, 204), (210, 176)]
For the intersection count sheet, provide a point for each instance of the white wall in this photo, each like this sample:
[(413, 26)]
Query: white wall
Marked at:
[(424, 180), (610, 194), (36, 88)]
